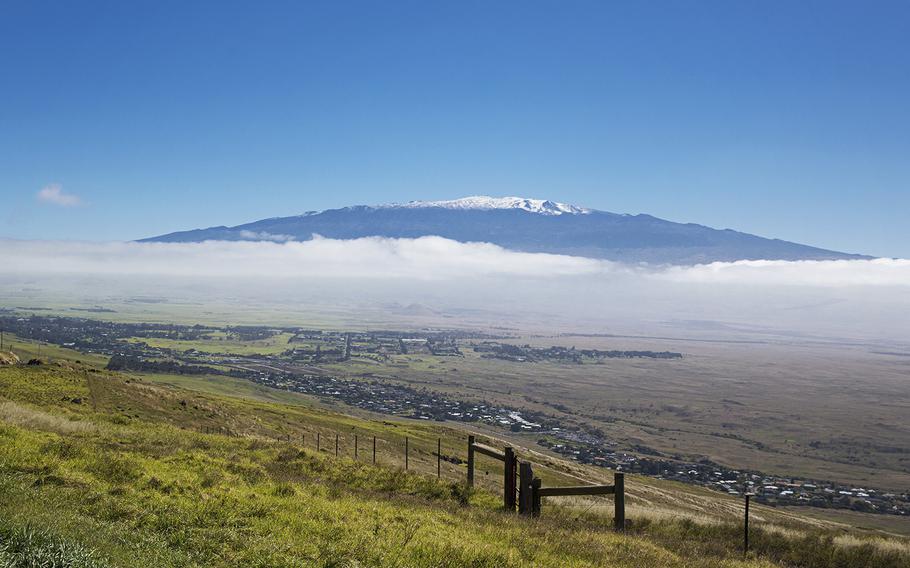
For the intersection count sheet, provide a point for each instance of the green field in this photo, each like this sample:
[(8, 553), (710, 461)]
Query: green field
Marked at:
[(220, 342), (99, 469), (26, 350)]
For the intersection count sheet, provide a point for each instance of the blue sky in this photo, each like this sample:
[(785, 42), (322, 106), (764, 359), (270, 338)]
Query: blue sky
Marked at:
[(786, 119)]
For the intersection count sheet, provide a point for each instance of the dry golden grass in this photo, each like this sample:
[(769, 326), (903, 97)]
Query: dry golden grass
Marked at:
[(20, 415), (7, 358), (888, 545)]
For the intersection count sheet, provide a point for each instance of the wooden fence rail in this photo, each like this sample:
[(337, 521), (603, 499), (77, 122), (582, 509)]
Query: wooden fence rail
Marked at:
[(520, 477), (510, 467), (531, 503), (580, 490)]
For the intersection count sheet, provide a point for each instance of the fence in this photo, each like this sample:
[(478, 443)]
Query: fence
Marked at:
[(529, 487), (522, 490), (506, 456), (518, 476), (336, 441)]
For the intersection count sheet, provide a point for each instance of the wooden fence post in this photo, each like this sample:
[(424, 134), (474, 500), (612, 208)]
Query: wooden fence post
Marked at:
[(438, 458), (619, 502), (525, 490), (746, 527), (406, 453), (508, 498), (374, 449), (470, 461)]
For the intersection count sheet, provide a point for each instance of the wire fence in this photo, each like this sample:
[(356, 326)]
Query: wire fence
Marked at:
[(427, 455), (463, 461)]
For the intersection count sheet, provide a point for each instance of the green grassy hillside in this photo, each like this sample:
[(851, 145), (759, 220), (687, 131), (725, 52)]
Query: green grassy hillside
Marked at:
[(100, 469)]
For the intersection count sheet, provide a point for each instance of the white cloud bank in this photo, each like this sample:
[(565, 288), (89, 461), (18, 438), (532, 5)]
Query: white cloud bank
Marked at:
[(54, 195), (850, 299), (425, 259), (824, 273)]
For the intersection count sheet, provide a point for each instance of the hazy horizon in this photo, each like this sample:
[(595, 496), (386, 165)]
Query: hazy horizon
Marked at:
[(857, 299)]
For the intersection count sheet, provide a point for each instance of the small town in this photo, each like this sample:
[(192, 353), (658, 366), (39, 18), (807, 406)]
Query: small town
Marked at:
[(767, 489)]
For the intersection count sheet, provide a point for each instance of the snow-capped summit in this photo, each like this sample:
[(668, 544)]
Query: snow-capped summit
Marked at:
[(486, 203)]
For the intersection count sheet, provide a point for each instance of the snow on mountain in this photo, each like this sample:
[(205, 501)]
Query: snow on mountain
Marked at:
[(486, 203)]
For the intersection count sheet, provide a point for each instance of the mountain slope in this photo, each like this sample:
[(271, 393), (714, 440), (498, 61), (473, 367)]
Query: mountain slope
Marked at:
[(524, 225), (102, 469)]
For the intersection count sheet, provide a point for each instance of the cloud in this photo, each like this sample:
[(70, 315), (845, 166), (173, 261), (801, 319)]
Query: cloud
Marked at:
[(823, 273), (424, 259), (265, 236), (847, 299), (54, 194)]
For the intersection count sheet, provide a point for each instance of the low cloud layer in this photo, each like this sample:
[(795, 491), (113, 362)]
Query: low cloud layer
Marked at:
[(425, 258), (824, 273), (53, 194), (868, 298)]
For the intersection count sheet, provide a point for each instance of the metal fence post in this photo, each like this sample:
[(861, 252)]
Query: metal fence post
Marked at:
[(336, 445), (438, 457), (406, 453), (317, 443), (374, 449)]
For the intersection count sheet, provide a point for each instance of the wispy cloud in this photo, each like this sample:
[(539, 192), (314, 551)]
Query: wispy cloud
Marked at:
[(54, 195), (265, 236)]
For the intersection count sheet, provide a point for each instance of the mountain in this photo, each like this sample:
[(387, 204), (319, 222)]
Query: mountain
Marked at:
[(521, 224)]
